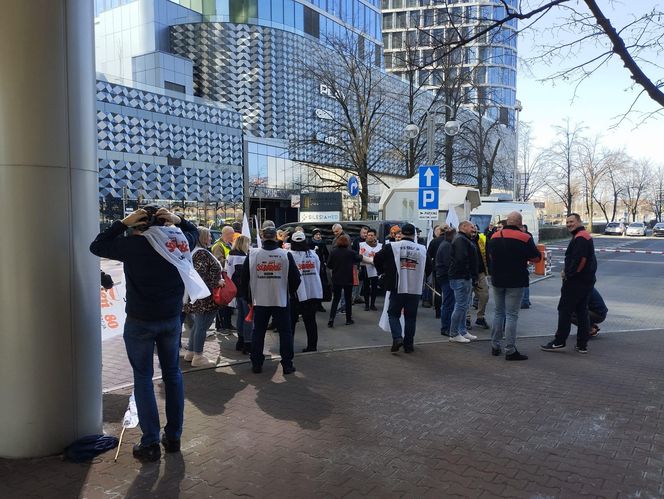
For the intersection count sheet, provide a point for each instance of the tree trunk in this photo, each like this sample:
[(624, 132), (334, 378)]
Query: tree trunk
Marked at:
[(364, 196), (615, 206)]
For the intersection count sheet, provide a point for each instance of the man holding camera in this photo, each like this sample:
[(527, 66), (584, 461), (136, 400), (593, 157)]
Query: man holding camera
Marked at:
[(156, 278)]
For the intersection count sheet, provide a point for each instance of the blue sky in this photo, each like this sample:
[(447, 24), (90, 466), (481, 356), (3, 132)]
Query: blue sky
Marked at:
[(599, 100)]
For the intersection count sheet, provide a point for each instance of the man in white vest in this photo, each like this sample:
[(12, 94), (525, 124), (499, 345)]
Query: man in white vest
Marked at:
[(403, 264), (269, 276)]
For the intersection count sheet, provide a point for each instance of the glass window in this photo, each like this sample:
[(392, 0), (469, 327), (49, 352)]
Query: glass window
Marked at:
[(277, 11), (387, 21), (299, 16), (289, 12), (264, 10)]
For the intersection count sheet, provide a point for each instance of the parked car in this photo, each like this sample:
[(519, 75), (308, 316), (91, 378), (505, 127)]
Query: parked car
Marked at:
[(615, 229), (658, 229), (636, 229)]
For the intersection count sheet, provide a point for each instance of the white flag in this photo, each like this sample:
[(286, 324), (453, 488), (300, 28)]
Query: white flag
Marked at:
[(258, 236), (245, 227), (429, 234), (452, 218), (131, 415)]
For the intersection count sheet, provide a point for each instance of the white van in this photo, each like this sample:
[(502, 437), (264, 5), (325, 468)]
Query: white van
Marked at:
[(492, 210)]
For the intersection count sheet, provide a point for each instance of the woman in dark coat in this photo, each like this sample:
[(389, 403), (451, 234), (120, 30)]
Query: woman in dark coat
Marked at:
[(320, 247), (342, 262)]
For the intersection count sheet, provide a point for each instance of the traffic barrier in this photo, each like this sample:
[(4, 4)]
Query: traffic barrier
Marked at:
[(540, 267)]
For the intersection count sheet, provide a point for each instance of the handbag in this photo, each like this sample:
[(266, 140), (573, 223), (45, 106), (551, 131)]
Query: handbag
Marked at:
[(222, 296)]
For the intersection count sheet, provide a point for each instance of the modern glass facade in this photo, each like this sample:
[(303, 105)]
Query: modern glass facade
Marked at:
[(489, 61)]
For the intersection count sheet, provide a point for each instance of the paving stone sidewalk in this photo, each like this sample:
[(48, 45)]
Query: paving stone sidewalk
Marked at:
[(448, 420)]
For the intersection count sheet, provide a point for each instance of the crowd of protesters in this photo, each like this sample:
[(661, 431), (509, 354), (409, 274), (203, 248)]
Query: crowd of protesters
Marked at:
[(173, 270)]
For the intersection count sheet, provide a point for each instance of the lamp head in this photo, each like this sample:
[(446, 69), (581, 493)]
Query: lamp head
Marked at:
[(452, 127), (412, 130)]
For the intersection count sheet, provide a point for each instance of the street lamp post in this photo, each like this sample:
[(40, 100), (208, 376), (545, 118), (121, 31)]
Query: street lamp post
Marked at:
[(451, 128), (517, 108)]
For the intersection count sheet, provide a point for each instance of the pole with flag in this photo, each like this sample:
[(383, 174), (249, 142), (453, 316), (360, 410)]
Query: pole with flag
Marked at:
[(246, 231), (452, 218), (258, 235), (130, 420)]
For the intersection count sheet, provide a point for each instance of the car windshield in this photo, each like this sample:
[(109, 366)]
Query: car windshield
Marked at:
[(635, 224), (612, 224), (659, 226)]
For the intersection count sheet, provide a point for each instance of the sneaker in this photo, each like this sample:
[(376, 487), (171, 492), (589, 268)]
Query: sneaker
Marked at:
[(552, 346), (320, 308), (426, 304), (594, 330), (256, 369), (459, 339), (201, 360), (305, 350), (147, 453), (330, 323), (469, 326), (409, 348), (170, 444), (396, 345), (581, 349), (210, 332), (366, 308), (469, 336), (524, 306), (373, 307), (188, 356), (482, 323), (350, 322), (246, 348), (496, 351), (445, 332), (358, 301), (516, 356), (183, 352)]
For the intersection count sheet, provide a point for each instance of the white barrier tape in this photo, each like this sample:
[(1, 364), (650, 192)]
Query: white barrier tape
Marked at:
[(603, 250)]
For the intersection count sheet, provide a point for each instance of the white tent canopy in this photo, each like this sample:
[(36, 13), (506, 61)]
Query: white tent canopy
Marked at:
[(400, 201)]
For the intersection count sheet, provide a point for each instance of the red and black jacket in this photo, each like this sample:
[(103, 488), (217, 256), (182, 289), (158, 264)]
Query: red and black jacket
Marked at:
[(508, 252), (580, 261)]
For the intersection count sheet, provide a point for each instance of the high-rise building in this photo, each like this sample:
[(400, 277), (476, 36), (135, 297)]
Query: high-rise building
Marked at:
[(486, 66)]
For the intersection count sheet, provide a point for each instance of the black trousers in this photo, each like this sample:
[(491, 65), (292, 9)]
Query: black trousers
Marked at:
[(307, 309), (336, 298), (370, 290), (574, 297)]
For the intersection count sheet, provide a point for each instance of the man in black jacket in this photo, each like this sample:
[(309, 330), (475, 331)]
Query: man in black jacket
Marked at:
[(508, 253), (269, 276), (154, 304), (404, 283), (578, 281), (443, 257), (463, 274)]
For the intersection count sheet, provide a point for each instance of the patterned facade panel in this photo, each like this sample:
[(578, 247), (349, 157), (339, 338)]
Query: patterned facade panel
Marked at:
[(259, 71), (174, 130)]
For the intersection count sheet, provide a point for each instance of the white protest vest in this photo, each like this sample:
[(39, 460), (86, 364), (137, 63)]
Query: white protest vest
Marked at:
[(369, 252), (231, 262), (172, 244), (268, 271), (309, 266), (410, 259)]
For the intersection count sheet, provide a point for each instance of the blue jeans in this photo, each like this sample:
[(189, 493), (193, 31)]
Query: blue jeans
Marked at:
[(525, 300), (507, 302), (408, 303), (244, 329), (461, 288), (281, 318), (198, 332), (140, 338), (448, 304)]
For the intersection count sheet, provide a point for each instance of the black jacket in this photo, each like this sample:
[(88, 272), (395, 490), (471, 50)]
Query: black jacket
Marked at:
[(443, 256), (341, 262), (154, 286), (580, 261), (463, 261), (432, 250), (294, 279), (508, 252)]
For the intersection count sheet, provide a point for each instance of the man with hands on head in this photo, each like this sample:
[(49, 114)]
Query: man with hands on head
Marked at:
[(155, 291)]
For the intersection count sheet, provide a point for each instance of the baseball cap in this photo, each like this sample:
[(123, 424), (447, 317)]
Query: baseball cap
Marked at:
[(268, 223), (408, 230), (298, 237), (315, 231), (269, 232)]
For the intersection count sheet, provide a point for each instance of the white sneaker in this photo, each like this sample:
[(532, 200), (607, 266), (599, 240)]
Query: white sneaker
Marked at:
[(183, 352), (201, 360), (459, 339), (189, 356), (469, 336)]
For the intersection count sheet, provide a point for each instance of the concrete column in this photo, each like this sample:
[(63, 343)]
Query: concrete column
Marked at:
[(50, 354)]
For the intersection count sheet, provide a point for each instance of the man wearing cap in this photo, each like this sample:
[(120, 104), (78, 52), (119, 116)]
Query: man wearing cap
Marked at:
[(404, 264), (463, 274), (269, 276), (220, 250), (319, 246)]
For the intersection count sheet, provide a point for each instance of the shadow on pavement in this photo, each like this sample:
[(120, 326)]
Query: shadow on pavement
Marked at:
[(151, 483)]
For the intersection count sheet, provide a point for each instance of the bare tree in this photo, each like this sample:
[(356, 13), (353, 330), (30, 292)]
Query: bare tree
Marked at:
[(637, 43), (532, 164), (656, 192), (346, 70), (594, 166), (634, 186), (563, 158)]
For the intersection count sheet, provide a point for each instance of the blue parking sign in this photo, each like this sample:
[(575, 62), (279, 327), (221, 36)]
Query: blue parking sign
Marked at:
[(427, 197)]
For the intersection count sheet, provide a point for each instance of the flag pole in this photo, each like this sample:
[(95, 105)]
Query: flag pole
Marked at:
[(119, 444)]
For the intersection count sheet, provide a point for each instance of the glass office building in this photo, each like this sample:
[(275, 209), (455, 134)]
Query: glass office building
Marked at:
[(490, 60)]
